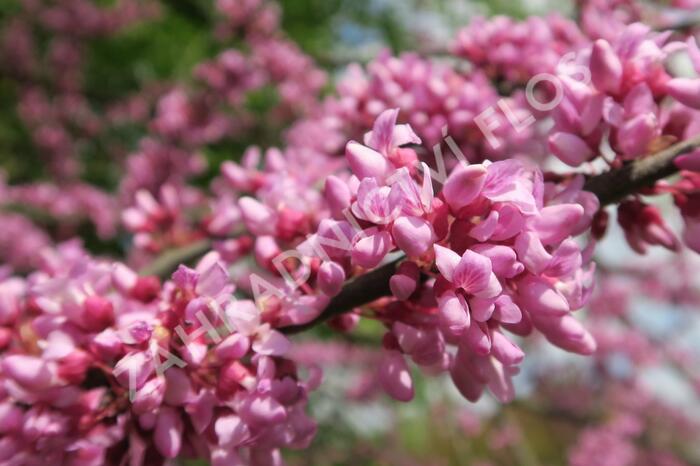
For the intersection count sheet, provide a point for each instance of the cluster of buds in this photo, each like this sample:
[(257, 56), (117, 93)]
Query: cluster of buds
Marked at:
[(100, 366)]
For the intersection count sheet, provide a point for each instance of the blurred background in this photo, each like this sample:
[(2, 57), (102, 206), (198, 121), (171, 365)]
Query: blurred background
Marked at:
[(92, 93)]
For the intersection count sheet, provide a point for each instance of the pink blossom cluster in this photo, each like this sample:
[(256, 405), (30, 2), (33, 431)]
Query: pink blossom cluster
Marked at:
[(625, 107), (620, 440), (250, 17), (62, 121), (628, 81), (52, 101), (20, 241), (602, 19), (187, 120), (70, 204), (500, 221), (496, 245), (29, 211), (515, 51), (435, 98), (100, 366), (161, 222), (686, 194)]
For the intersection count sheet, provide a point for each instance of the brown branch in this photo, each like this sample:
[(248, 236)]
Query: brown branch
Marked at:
[(613, 186), (361, 290), (610, 187), (166, 263)]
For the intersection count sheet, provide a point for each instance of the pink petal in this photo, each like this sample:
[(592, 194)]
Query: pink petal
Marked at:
[(168, 432), (29, 371), (473, 272), (212, 280), (446, 261), (404, 282), (330, 278), (566, 332), (368, 252), (689, 162), (486, 228), (503, 259), (262, 410), (531, 252), (477, 339), (566, 260), (569, 148), (380, 138), (464, 375), (691, 234), (606, 68), (271, 343), (481, 308), (234, 346), (231, 431), (225, 457), (178, 389), (504, 181), (201, 410), (337, 194), (243, 315), (394, 376), (464, 185), (135, 367), (537, 296), (507, 311), (499, 380), (367, 163), (685, 91), (258, 217), (504, 350), (556, 222), (150, 396), (454, 313), (413, 235), (636, 134)]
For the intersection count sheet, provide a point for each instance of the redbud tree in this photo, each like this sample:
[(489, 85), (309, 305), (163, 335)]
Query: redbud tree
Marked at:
[(193, 255)]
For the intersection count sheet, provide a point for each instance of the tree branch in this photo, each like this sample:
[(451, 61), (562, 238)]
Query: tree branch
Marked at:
[(361, 290), (167, 262), (613, 186), (609, 187)]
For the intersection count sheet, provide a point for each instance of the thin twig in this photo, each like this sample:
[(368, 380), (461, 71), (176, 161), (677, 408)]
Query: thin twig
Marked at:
[(166, 263), (612, 186)]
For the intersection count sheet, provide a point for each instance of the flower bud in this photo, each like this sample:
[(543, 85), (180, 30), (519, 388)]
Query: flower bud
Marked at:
[(394, 376), (464, 185), (146, 289), (98, 313), (685, 91), (330, 278), (365, 162), (606, 68), (569, 148), (73, 367), (404, 282), (337, 194), (413, 235)]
